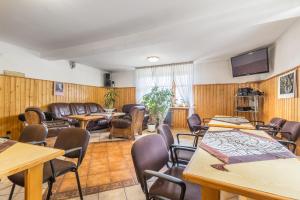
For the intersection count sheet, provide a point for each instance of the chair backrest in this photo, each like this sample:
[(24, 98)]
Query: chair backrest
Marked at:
[(94, 108), (34, 115), (192, 121), (34, 132), (70, 138), (165, 131), (277, 122), (149, 153), (127, 107), (293, 128), (60, 110), (137, 116)]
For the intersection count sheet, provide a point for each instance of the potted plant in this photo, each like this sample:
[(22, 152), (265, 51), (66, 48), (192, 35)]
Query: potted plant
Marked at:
[(110, 99), (158, 102)]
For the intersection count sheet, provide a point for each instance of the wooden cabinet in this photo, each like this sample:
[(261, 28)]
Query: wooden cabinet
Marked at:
[(179, 117)]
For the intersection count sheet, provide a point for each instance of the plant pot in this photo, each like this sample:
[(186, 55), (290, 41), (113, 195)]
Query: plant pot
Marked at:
[(151, 127), (109, 110)]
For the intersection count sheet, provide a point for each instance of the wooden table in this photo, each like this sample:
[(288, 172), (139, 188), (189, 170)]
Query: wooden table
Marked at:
[(271, 179), (215, 123), (85, 119), (28, 158)]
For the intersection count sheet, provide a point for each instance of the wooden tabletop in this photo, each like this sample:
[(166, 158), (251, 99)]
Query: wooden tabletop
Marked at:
[(271, 179), (96, 116), (86, 117), (21, 156), (216, 123)]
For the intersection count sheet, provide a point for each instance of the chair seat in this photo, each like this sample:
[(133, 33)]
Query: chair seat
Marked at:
[(121, 123), (184, 155), (60, 167), (170, 190)]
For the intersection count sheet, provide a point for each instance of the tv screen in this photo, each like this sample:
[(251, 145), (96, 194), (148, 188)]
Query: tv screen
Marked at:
[(253, 62)]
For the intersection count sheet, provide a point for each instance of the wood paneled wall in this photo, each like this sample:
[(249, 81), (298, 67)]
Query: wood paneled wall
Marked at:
[(273, 106), (18, 93), (217, 99)]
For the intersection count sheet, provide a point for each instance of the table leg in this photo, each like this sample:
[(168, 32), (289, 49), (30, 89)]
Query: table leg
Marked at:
[(33, 183), (209, 193), (83, 124)]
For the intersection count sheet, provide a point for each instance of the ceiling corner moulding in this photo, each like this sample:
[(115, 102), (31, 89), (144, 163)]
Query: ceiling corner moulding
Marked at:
[(153, 59)]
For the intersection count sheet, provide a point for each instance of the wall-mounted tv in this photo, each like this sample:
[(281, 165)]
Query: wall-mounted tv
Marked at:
[(253, 62)]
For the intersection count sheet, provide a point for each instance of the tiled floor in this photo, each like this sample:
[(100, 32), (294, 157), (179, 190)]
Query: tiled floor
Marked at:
[(107, 172)]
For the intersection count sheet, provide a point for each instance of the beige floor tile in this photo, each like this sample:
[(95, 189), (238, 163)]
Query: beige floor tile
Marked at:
[(118, 194), (88, 197), (134, 193)]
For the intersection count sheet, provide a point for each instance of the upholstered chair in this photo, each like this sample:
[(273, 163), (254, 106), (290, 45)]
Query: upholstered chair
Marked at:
[(273, 126), (33, 134), (196, 127), (178, 153), (75, 142), (127, 127), (150, 156)]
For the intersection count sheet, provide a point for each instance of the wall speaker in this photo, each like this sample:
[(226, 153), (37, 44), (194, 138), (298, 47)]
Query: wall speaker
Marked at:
[(107, 81)]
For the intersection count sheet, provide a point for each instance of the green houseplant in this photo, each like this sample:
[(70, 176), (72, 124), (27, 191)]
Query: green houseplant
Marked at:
[(158, 102), (110, 99)]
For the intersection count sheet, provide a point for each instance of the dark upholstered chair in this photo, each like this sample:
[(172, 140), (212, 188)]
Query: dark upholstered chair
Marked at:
[(195, 125), (34, 115), (129, 125), (150, 155), (75, 142), (178, 153), (127, 108), (274, 125), (289, 133), (34, 134)]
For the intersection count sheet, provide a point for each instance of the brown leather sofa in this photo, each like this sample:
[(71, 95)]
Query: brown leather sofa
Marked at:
[(63, 110)]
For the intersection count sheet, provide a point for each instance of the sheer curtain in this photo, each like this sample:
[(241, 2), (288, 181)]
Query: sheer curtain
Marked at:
[(163, 77), (183, 77)]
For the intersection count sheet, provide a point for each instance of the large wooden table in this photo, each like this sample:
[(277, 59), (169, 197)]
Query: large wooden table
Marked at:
[(215, 123), (28, 158), (85, 119), (271, 179)]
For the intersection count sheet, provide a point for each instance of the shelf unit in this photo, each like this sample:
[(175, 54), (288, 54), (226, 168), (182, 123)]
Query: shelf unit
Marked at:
[(254, 102)]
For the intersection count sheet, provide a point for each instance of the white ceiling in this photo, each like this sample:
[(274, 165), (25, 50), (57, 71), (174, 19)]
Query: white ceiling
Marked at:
[(120, 34)]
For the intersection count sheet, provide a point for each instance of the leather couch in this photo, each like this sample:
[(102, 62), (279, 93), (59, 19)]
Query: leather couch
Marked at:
[(127, 108), (63, 110)]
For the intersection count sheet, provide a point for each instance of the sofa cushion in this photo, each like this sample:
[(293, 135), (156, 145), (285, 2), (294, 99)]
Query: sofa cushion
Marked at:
[(94, 108), (60, 110), (79, 109)]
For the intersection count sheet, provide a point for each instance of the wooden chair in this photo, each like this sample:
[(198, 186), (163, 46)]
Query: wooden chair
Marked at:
[(126, 127)]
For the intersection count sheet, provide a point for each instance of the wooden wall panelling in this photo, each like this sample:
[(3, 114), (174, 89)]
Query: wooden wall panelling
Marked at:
[(179, 117), (214, 99), (17, 93)]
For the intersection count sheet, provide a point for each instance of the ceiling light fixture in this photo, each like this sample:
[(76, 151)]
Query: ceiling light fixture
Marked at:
[(153, 59)]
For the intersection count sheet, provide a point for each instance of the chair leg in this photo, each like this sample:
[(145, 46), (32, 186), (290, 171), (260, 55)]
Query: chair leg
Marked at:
[(78, 184), (49, 193), (12, 192)]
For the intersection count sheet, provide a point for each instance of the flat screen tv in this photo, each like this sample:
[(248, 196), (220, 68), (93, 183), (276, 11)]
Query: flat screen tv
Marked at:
[(253, 62)]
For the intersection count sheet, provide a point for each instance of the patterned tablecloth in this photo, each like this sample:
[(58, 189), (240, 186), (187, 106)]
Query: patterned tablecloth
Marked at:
[(234, 146)]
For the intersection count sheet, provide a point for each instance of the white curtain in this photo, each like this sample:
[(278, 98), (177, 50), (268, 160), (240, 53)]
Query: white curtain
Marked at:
[(183, 77), (163, 77)]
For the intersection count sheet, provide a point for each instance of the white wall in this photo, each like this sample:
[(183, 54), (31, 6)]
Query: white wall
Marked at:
[(14, 58), (287, 49), (124, 78), (220, 72)]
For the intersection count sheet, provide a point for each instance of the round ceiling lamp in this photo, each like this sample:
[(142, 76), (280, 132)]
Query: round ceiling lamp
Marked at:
[(153, 59)]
